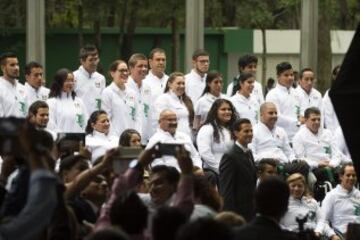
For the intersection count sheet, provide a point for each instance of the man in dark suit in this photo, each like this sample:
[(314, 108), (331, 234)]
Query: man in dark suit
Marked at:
[(271, 201), (238, 173)]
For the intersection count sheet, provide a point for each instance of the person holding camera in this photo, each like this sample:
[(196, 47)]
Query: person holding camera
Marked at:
[(167, 133)]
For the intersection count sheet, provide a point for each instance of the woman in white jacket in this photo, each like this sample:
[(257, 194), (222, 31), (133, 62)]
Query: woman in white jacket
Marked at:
[(214, 137), (98, 139), (301, 204), (67, 112), (174, 98), (119, 101), (212, 91)]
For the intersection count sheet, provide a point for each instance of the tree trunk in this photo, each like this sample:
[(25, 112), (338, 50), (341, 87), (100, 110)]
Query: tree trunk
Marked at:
[(324, 48), (97, 33), (175, 50), (344, 13), (229, 12), (263, 57), (80, 23), (127, 48), (122, 27)]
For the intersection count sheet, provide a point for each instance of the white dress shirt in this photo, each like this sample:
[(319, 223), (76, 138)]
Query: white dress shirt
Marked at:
[(273, 143), (257, 91), (339, 142), (204, 104), (288, 108), (172, 102), (156, 84), (121, 107), (180, 138), (210, 151), (145, 109), (300, 208), (341, 207), (316, 147), (13, 100), (330, 119), (98, 143), (194, 85), (33, 94), (246, 107), (313, 99), (67, 114), (88, 87)]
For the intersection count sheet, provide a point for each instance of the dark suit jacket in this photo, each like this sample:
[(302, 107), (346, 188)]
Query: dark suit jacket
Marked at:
[(263, 228), (238, 182)]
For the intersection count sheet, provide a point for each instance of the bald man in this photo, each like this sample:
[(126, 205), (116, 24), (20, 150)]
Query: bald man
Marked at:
[(270, 140), (166, 133)]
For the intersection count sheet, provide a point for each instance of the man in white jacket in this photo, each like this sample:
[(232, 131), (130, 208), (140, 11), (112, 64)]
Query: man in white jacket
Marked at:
[(270, 140), (89, 84), (34, 74), (167, 133)]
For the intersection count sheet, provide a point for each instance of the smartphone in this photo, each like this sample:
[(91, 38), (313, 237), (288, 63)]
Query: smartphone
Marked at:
[(125, 155), (169, 149)]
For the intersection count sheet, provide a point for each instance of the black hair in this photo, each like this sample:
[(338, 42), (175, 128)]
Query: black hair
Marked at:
[(212, 117), (129, 212), (237, 124), (170, 174), (342, 168), (204, 229), (108, 234), (206, 193), (199, 52), (271, 197), (125, 137), (92, 119), (282, 67), (30, 66), (172, 218), (87, 50), (242, 78), (34, 107), (304, 70), (266, 161), (70, 161), (211, 76), (58, 83), (5, 56), (311, 110), (247, 60)]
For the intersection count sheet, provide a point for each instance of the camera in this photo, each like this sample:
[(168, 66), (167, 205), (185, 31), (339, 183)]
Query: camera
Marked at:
[(169, 149), (124, 156)]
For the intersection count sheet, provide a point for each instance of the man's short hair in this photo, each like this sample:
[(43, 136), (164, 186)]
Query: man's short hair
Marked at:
[(247, 60), (305, 70), (87, 50), (237, 124), (34, 107), (199, 52), (282, 67), (266, 161), (5, 56), (311, 110), (156, 50), (30, 66), (170, 173), (271, 197), (342, 169), (136, 57)]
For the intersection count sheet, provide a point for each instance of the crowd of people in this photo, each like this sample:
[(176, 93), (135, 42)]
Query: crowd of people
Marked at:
[(208, 165)]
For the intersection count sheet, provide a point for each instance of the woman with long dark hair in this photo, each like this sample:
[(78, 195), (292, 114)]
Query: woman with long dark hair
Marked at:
[(214, 137), (212, 91), (98, 138), (244, 101), (174, 98), (67, 113)]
